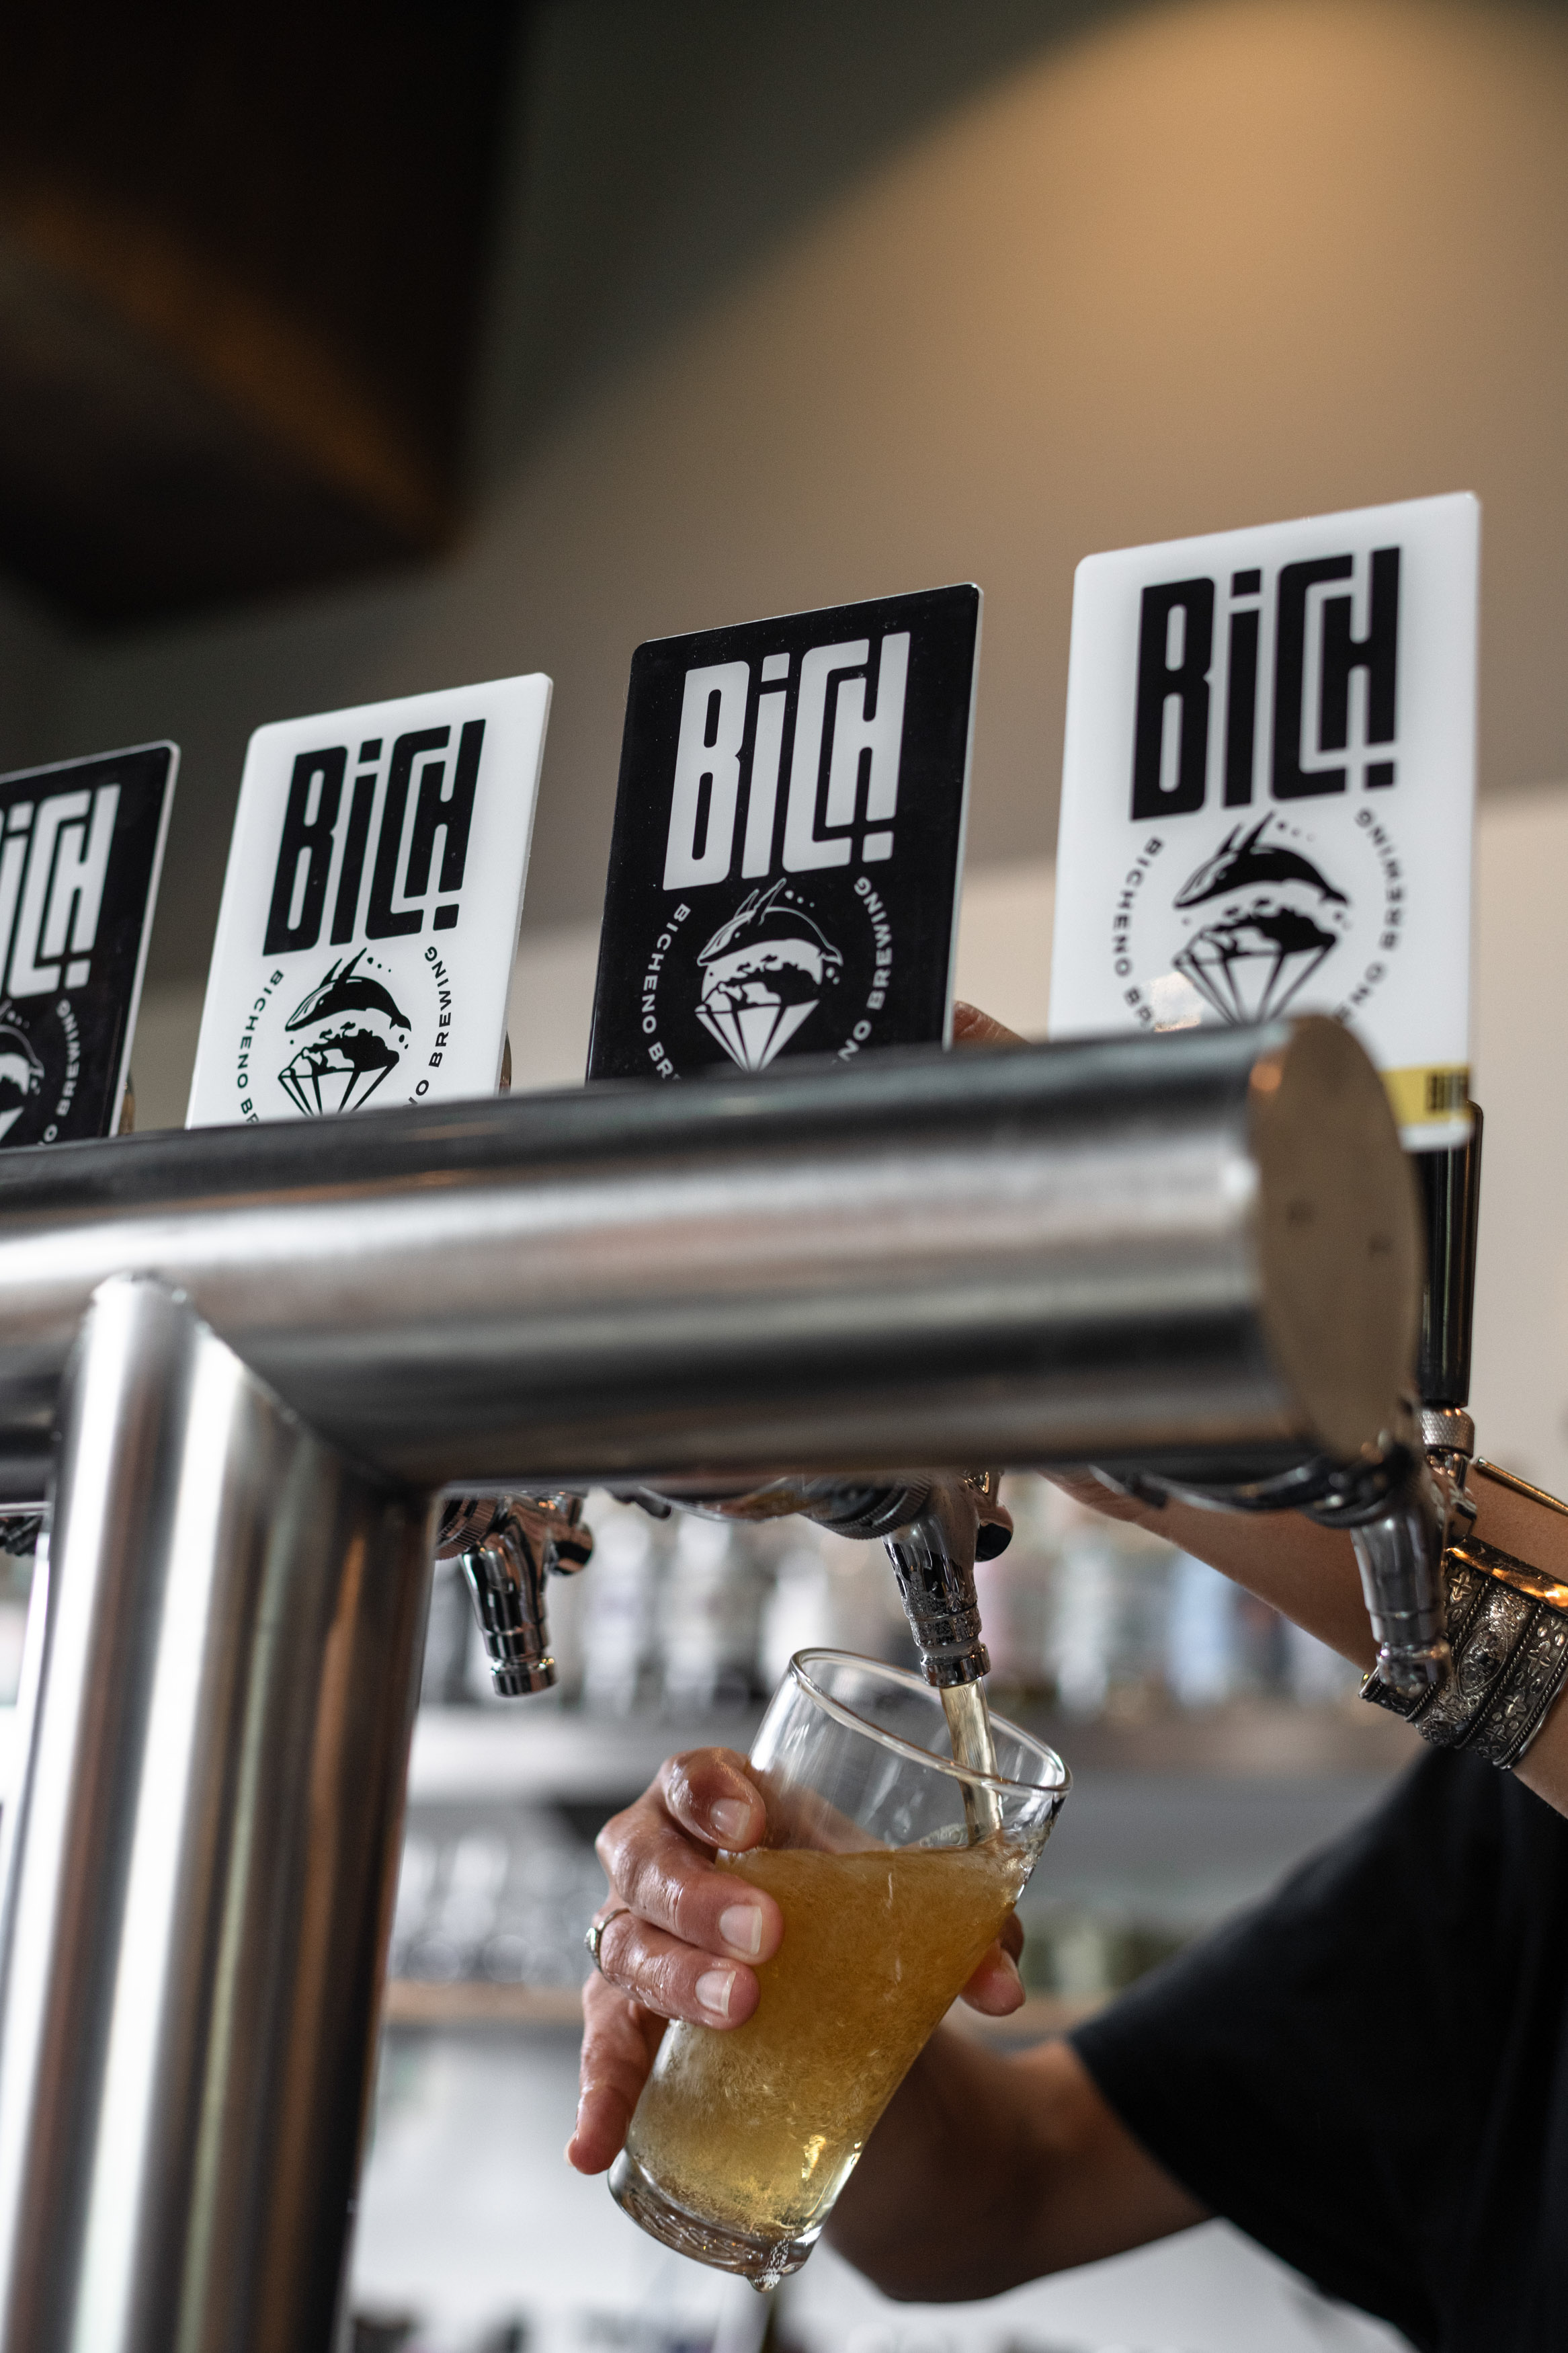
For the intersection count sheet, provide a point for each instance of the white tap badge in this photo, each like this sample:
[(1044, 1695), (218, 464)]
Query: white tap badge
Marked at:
[(1268, 790), (371, 906), (80, 847)]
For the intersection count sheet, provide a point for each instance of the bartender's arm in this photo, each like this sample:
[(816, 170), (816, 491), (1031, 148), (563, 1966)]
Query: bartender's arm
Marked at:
[(1309, 1575)]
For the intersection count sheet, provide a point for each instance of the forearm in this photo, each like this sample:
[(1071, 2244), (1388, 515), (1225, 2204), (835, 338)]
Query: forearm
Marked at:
[(1309, 1575), (986, 2171), (939, 2205)]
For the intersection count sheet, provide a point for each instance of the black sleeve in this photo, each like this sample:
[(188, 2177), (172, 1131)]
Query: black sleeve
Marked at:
[(1368, 2074)]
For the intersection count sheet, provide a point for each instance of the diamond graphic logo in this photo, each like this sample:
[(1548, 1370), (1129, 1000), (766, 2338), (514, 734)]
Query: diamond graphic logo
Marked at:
[(1267, 939), (764, 974), (1250, 970), (21, 1075), (356, 1033)]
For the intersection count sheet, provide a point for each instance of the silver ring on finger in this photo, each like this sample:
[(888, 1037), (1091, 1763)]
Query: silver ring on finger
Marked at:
[(593, 1935)]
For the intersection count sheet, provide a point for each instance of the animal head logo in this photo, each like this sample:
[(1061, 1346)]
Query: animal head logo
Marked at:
[(1271, 929), (763, 972), (21, 1075), (356, 1032)]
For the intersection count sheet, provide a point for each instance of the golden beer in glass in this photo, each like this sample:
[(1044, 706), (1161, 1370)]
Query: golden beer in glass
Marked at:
[(744, 2136)]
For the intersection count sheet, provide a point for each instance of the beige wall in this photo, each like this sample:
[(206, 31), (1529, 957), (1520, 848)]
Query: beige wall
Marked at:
[(1192, 266)]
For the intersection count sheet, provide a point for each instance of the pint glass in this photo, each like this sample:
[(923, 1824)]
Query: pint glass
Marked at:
[(894, 1868)]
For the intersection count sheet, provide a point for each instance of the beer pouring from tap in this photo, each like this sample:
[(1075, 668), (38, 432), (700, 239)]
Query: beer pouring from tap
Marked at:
[(934, 1530)]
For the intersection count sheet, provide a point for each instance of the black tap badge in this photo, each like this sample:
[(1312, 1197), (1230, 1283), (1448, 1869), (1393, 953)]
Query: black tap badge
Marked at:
[(788, 837), (371, 906), (80, 847), (1268, 788)]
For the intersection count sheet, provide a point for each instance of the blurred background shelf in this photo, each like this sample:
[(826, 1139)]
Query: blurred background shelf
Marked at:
[(470, 1752), (410, 2004), (500, 1883), (1212, 1749), (547, 1753)]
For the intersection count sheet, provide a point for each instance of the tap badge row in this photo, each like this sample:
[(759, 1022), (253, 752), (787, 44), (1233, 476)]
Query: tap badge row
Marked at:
[(1266, 807)]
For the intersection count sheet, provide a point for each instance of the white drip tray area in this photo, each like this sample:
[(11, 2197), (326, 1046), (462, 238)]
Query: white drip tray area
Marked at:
[(474, 2228)]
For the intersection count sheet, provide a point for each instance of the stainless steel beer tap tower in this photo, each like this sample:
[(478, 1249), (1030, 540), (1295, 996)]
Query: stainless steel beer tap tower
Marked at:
[(251, 1360)]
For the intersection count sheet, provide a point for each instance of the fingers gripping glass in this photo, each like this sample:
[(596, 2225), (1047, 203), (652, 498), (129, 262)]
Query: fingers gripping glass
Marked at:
[(895, 1868)]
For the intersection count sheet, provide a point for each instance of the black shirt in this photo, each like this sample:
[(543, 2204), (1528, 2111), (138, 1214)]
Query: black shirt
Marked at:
[(1369, 2073)]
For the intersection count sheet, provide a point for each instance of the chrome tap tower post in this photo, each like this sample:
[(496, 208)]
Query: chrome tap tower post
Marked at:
[(264, 1353)]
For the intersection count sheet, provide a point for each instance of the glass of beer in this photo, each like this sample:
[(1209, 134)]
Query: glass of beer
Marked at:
[(894, 1867)]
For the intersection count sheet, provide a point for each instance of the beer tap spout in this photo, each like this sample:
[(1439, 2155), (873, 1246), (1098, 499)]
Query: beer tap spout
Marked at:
[(933, 1564), (507, 1546), (933, 1532), (1400, 1556)]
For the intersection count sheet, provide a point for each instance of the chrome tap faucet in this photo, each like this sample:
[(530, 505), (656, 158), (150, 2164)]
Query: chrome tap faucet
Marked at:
[(1400, 1552), (506, 1547)]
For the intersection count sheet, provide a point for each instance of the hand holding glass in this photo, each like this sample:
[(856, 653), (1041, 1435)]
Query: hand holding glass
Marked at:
[(744, 2138)]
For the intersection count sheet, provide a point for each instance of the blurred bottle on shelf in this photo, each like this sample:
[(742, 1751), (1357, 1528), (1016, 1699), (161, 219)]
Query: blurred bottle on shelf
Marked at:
[(504, 1898), (1315, 1676), (1106, 1604), (797, 1615), (622, 1595), (1083, 1955), (830, 1593), (16, 1591), (710, 1623), (448, 1637), (1203, 1647)]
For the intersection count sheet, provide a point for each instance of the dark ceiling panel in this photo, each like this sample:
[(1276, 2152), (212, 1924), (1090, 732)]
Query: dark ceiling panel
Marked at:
[(242, 258)]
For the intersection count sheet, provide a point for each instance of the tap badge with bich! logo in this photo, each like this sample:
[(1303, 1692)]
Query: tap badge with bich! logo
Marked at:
[(371, 907), (788, 839), (80, 848), (1269, 787)]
